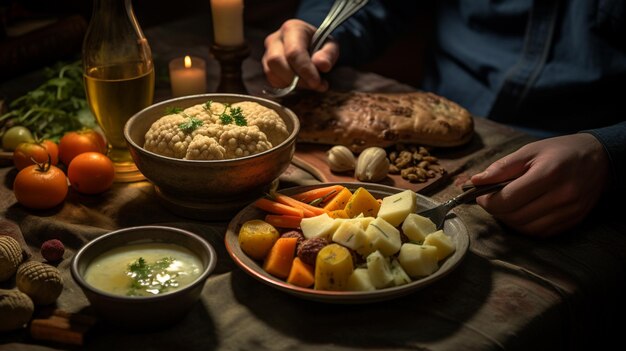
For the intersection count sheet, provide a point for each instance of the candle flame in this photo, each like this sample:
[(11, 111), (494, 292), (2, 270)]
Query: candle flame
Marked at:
[(187, 61)]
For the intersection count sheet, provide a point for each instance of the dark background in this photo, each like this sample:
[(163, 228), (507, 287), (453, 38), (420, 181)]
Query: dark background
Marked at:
[(63, 39)]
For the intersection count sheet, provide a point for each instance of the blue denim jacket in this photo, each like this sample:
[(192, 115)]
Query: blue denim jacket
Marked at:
[(554, 66)]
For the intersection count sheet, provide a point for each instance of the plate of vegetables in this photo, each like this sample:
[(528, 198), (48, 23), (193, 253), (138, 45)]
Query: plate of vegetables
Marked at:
[(344, 242)]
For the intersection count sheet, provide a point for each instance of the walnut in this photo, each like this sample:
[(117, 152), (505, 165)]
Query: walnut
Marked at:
[(393, 169), (414, 163), (41, 282), (309, 248), (10, 257), (16, 309), (404, 159)]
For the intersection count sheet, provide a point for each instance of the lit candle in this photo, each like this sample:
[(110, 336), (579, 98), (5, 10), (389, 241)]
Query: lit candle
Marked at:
[(188, 76), (227, 22)]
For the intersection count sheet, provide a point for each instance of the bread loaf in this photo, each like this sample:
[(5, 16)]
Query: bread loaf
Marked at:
[(359, 119)]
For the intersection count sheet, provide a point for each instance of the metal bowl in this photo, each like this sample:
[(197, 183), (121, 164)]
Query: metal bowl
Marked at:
[(209, 189), (131, 312)]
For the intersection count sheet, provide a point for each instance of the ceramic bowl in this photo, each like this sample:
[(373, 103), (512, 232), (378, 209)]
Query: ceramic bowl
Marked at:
[(454, 227), (209, 189), (134, 312)]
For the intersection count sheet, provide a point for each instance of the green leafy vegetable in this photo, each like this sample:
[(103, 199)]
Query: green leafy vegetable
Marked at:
[(231, 114), (173, 110), (152, 278), (53, 108), (240, 120), (226, 118), (189, 126)]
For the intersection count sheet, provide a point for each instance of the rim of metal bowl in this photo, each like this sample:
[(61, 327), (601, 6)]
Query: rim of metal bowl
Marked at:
[(290, 139), (212, 262)]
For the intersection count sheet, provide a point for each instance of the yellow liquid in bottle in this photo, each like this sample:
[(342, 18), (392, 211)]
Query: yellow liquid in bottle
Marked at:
[(116, 93)]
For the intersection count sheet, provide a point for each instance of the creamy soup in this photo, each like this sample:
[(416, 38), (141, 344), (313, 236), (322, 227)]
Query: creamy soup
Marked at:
[(144, 269)]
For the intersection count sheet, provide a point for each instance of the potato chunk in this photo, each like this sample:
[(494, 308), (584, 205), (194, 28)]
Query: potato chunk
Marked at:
[(399, 275), (360, 280), (333, 268), (322, 226), (416, 227), (379, 270), (396, 207), (351, 235), (418, 260), (443, 243), (256, 238), (383, 236)]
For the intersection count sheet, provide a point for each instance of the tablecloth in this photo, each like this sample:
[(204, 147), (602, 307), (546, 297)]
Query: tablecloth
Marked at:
[(510, 292)]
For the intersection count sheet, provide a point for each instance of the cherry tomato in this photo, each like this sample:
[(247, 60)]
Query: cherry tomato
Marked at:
[(76, 142), (91, 173), (39, 151), (15, 136), (40, 186)]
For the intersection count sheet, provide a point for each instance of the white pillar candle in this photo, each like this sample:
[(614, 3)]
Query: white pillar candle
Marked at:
[(187, 76), (227, 22)]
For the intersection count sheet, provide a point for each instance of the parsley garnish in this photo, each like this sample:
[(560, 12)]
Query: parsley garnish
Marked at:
[(235, 114), (173, 110), (240, 120), (207, 106), (149, 277), (226, 118), (192, 124)]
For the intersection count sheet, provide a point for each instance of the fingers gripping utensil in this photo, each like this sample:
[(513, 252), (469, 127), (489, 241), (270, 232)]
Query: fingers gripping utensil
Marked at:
[(338, 13), (470, 192)]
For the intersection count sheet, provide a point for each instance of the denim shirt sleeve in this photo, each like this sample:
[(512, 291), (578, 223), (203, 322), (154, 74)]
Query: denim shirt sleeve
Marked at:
[(365, 34), (613, 139)]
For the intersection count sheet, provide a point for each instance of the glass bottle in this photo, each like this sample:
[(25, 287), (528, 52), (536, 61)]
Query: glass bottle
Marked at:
[(119, 76)]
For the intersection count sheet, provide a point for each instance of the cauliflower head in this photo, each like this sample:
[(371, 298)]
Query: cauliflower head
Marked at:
[(165, 137), (208, 112), (268, 120), (242, 141), (203, 147), (210, 131)]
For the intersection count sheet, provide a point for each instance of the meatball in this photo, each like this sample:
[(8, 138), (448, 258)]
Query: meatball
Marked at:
[(309, 248)]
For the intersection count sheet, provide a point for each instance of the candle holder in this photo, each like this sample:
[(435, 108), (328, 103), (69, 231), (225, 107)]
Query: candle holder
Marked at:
[(230, 59)]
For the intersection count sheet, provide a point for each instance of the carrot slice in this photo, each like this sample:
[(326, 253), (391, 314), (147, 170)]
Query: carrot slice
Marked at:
[(280, 258), (326, 193), (309, 210), (278, 208), (339, 201), (341, 213), (301, 274), (283, 221)]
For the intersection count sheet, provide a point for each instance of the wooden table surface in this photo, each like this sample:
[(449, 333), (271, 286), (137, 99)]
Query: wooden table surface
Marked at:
[(510, 291)]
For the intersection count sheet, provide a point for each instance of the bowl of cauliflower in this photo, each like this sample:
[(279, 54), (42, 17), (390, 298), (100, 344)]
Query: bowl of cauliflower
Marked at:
[(210, 155)]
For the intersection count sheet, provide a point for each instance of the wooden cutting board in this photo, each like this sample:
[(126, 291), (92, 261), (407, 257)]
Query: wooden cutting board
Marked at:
[(312, 158)]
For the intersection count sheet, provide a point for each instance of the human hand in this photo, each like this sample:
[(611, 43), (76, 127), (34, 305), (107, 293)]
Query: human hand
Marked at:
[(557, 182), (287, 53)]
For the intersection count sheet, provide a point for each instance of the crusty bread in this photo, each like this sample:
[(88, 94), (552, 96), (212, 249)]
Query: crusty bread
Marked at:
[(359, 120)]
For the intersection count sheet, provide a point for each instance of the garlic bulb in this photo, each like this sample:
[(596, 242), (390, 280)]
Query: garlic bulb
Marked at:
[(340, 159), (372, 165)]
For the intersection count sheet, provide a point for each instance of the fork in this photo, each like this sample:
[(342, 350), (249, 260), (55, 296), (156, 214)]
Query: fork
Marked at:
[(470, 192), (338, 13)]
